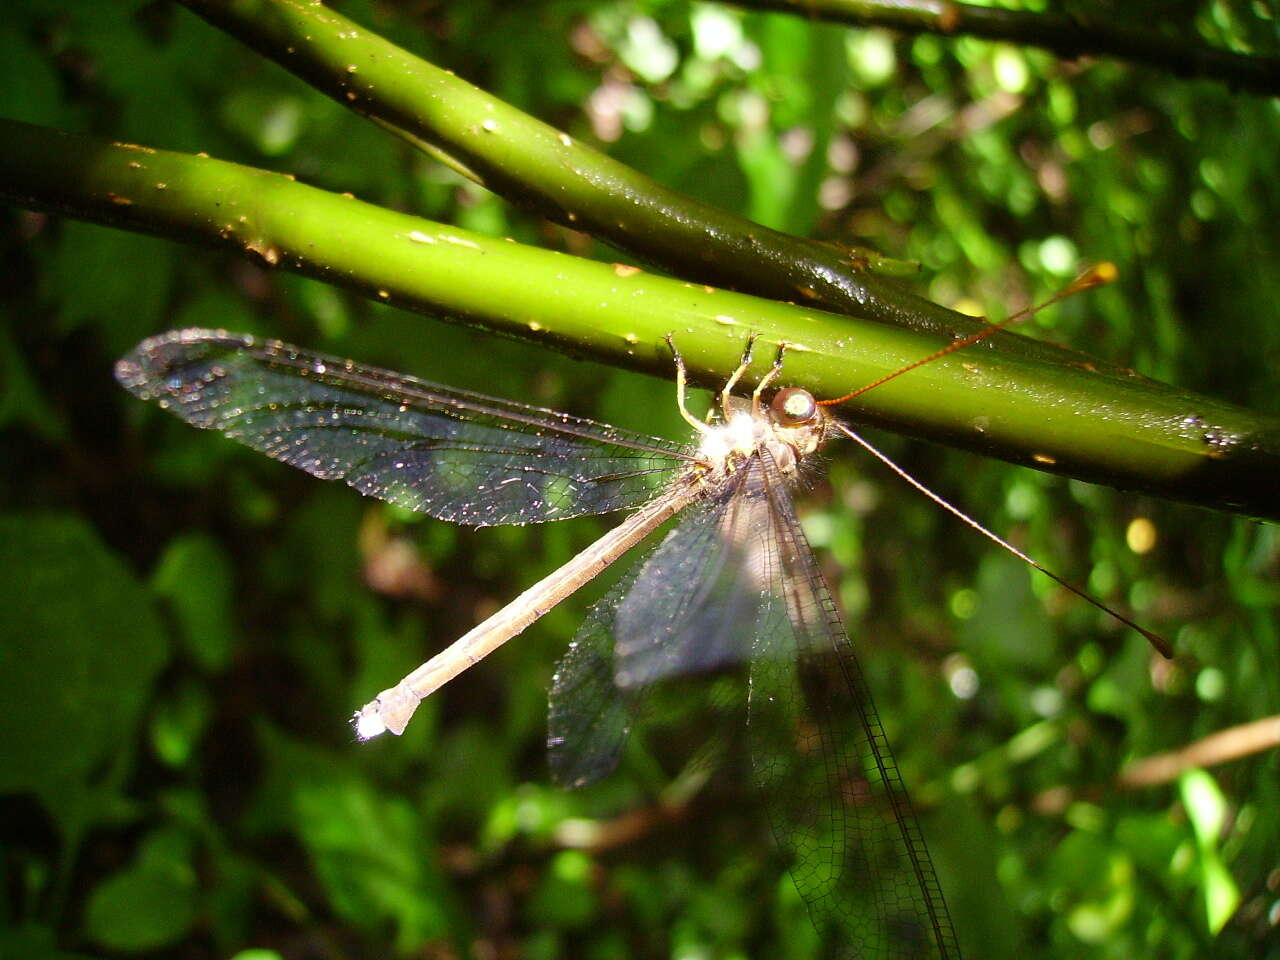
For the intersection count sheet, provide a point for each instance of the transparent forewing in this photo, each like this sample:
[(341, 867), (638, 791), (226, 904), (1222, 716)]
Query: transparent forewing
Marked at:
[(684, 608), (691, 607), (733, 582), (455, 455), (588, 717), (823, 767)]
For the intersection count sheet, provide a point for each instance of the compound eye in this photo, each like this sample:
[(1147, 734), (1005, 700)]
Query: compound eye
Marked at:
[(793, 406)]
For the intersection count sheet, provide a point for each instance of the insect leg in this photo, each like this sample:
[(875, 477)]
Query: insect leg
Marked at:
[(681, 378), (743, 365), (775, 371)]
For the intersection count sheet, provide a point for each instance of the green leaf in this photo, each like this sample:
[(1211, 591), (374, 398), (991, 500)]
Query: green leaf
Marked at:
[(219, 309), (1010, 625), (194, 575), (1207, 809), (20, 398), (565, 898), (100, 282), (1099, 886), (81, 648), (178, 722), (23, 67), (150, 904), (1206, 806), (368, 849), (269, 120)]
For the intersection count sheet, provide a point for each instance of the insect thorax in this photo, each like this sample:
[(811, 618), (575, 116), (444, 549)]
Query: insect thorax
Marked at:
[(725, 446)]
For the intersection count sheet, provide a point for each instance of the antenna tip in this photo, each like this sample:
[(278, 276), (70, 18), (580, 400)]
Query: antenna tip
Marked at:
[(1098, 275), (1159, 642)]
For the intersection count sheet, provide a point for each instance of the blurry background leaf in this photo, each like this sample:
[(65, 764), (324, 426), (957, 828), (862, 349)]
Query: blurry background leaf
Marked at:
[(1207, 809), (250, 825), (116, 281), (20, 400), (150, 904), (81, 650), (369, 850), (194, 576)]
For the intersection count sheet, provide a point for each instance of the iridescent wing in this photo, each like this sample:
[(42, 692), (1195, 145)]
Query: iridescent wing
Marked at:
[(735, 582), (683, 608), (588, 717), (452, 454)]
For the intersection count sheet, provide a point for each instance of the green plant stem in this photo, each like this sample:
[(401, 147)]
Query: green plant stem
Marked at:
[(1064, 34), (1131, 433), (546, 170)]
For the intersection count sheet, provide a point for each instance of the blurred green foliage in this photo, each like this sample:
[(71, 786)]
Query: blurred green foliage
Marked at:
[(184, 625)]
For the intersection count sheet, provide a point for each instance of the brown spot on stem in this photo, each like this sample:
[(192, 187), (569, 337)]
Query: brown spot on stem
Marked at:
[(269, 252)]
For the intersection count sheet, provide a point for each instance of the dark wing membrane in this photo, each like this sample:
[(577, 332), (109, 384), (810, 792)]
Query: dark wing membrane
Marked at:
[(455, 455), (823, 767), (735, 581), (681, 609), (691, 608), (588, 717)]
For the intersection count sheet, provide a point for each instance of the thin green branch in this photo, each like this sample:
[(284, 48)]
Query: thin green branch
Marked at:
[(1067, 35), (1132, 432), (546, 170)]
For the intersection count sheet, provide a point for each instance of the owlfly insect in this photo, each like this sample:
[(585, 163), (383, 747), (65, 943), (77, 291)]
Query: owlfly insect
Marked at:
[(732, 586)]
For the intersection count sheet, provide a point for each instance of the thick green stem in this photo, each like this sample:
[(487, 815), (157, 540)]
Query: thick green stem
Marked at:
[(548, 171), (1131, 433), (1064, 34)]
